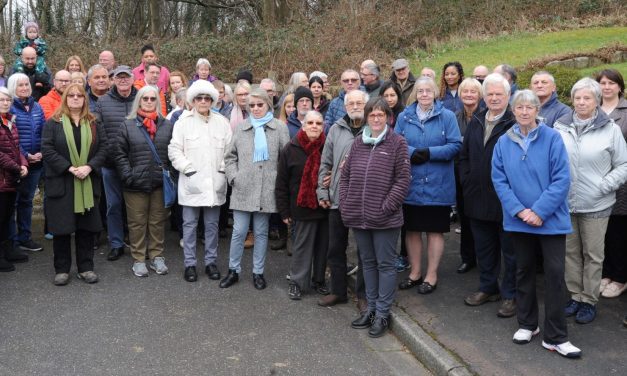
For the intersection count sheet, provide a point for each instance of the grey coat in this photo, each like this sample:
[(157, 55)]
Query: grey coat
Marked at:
[(253, 183), (619, 115)]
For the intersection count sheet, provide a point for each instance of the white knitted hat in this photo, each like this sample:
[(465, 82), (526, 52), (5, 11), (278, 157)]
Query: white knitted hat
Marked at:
[(202, 87)]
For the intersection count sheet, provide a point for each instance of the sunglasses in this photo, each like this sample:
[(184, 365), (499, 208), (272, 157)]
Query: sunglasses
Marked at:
[(253, 105), (149, 99), (203, 98), (350, 80), (75, 96)]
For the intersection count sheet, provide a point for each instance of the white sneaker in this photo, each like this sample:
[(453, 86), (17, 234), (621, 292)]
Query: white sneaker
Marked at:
[(565, 349), (523, 336), (181, 243), (614, 289), (158, 265), (604, 283), (139, 269)]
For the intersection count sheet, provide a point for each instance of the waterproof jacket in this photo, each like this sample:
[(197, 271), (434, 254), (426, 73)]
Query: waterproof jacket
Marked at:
[(111, 111), (336, 146), (598, 162), (11, 160), (452, 103), (290, 173), (29, 124), (50, 102), (60, 182), (133, 158), (475, 168), (254, 182), (293, 124), (407, 89), (552, 110), (336, 111), (198, 145), (619, 115), (374, 183), (432, 182), (532, 176)]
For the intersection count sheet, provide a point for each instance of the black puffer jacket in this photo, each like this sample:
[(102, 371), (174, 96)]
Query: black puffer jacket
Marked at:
[(111, 110), (134, 159)]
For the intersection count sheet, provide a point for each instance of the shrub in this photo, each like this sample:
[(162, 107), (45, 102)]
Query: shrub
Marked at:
[(565, 78)]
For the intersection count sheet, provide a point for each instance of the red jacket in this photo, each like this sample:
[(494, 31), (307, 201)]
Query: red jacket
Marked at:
[(50, 102), (11, 160)]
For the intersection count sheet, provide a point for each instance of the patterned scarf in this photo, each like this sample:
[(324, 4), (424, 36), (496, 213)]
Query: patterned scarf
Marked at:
[(307, 197), (148, 119)]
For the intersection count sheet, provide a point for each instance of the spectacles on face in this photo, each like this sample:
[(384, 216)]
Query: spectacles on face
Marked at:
[(355, 104), (351, 80), (149, 99), (76, 96), (311, 122), (253, 105), (203, 98), (376, 116), (241, 94)]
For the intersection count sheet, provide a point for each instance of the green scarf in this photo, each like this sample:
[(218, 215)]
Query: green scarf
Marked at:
[(83, 192)]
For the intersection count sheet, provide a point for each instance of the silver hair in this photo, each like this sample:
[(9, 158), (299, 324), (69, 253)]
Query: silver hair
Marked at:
[(313, 113), (541, 73), (5, 91), (495, 79), (364, 95), (587, 83), (295, 81), (14, 79), (510, 71), (94, 68), (470, 82), (373, 69), (429, 81), (350, 71), (261, 94), (138, 97), (181, 95), (268, 80), (241, 84), (525, 96), (318, 74), (202, 61)]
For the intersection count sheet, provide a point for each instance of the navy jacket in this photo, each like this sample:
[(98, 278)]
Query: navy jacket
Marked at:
[(29, 125), (552, 110)]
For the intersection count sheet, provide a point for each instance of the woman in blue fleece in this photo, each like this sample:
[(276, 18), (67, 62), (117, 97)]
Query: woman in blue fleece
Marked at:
[(531, 176)]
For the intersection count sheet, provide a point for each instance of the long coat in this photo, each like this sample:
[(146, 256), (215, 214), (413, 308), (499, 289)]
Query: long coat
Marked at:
[(60, 182)]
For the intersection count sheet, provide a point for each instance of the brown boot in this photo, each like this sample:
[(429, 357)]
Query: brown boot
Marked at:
[(331, 300), (250, 240)]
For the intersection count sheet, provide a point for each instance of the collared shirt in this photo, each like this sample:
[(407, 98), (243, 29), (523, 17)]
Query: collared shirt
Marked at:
[(489, 125)]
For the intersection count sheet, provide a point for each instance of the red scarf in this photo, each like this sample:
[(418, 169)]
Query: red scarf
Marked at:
[(307, 197), (6, 118), (149, 122)]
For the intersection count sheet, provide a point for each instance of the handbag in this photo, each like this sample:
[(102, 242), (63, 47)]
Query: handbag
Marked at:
[(169, 187)]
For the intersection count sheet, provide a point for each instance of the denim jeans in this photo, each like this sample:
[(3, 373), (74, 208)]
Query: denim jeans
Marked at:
[(190, 227), (115, 204), (24, 206), (241, 222)]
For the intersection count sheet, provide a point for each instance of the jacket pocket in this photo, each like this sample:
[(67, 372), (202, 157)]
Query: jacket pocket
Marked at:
[(193, 141), (55, 187), (193, 185)]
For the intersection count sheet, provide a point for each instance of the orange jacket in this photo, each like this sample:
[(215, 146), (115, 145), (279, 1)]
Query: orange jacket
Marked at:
[(50, 102), (141, 83)]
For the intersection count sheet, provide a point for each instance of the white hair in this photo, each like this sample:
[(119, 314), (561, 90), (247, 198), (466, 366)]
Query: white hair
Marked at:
[(495, 79), (138, 97), (318, 74), (589, 84), (14, 80), (364, 96), (202, 61)]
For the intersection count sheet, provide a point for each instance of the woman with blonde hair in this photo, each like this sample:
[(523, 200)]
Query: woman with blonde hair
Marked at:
[(75, 64)]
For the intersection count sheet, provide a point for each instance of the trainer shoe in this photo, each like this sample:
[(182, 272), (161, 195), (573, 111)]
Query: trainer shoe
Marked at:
[(61, 279), (586, 314), (294, 292), (351, 269), (139, 269), (401, 264), (30, 245), (565, 349), (158, 265), (88, 276), (614, 290), (572, 307), (523, 336), (604, 283)]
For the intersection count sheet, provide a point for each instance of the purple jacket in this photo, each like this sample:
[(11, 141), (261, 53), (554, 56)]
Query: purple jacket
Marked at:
[(374, 183)]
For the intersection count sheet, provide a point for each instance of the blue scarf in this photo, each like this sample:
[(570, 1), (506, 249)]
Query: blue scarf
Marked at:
[(260, 141), (366, 136)]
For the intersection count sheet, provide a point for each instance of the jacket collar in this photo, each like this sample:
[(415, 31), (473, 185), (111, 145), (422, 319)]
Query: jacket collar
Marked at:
[(566, 121)]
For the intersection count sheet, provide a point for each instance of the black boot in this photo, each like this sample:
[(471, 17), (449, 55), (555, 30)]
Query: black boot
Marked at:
[(12, 253), (5, 266), (379, 326), (364, 321)]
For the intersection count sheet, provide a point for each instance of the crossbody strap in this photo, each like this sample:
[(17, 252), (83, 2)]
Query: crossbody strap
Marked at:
[(151, 144)]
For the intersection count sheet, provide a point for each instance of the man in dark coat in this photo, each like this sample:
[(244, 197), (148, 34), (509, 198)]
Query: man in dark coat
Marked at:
[(40, 82), (403, 78)]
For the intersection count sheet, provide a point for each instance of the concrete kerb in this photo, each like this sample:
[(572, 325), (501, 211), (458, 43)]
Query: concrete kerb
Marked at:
[(427, 350)]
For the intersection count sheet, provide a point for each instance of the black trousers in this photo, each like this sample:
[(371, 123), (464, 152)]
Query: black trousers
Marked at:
[(553, 249), (467, 240), (615, 262), (7, 210), (336, 258), (62, 248)]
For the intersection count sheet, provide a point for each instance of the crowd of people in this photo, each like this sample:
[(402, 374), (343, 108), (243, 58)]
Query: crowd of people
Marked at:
[(536, 185)]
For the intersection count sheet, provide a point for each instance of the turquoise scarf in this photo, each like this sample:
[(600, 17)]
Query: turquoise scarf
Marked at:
[(261, 143), (366, 136)]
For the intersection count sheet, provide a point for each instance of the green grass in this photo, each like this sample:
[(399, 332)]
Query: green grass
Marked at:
[(621, 67), (518, 49)]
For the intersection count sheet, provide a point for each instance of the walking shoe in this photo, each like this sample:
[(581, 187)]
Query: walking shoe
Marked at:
[(586, 314), (480, 297), (331, 300), (408, 283), (604, 283), (363, 321), (379, 326), (115, 253), (212, 271), (250, 240), (565, 349), (572, 307), (614, 290), (230, 279), (507, 308), (48, 236), (88, 276), (6, 266), (139, 269), (351, 269), (190, 274), (61, 279), (294, 292), (15, 255), (401, 264), (30, 245), (523, 336), (158, 265), (320, 288), (259, 281)]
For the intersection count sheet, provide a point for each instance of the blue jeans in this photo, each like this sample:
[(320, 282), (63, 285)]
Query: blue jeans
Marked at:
[(115, 203), (24, 206), (241, 222), (190, 225)]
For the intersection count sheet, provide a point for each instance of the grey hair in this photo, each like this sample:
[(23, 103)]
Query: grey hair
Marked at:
[(350, 71), (181, 95), (268, 80), (261, 94), (587, 83), (426, 80), (364, 95), (510, 71), (202, 61), (542, 73), (468, 83), (138, 97), (5, 91), (525, 96), (94, 68), (373, 69), (318, 74), (295, 81), (313, 113), (241, 84), (495, 79), (14, 79)]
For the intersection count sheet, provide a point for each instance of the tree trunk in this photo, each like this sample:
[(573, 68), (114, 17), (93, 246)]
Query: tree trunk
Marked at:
[(90, 16), (154, 17)]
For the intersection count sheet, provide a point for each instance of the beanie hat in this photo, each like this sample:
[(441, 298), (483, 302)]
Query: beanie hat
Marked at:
[(302, 92), (244, 74), (202, 87), (30, 24)]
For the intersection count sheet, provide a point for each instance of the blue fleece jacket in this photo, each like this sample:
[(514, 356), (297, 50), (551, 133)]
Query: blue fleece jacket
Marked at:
[(293, 124), (336, 111), (532, 173), (552, 110)]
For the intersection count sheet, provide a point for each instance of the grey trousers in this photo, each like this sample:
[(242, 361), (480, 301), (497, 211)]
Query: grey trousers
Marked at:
[(190, 223), (311, 241), (377, 249)]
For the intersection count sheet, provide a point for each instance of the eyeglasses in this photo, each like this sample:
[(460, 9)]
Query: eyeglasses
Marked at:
[(347, 80), (253, 105), (355, 104), (80, 96), (203, 98), (149, 99), (314, 122), (376, 116), (241, 94)]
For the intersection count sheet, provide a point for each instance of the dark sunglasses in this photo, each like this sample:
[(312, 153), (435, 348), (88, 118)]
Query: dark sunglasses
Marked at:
[(203, 98), (253, 105), (149, 99)]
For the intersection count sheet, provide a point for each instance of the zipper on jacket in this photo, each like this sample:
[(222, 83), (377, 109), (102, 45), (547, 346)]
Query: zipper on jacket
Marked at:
[(363, 193)]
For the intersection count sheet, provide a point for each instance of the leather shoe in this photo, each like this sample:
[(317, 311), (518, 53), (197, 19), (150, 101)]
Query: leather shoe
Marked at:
[(115, 253), (15, 255), (408, 283), (279, 245), (507, 308), (480, 297), (465, 267), (426, 288), (190, 274), (212, 271), (331, 300), (364, 321), (259, 282), (379, 326), (320, 288), (230, 279)]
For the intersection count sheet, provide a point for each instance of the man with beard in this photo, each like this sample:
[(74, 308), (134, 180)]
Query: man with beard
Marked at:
[(303, 100)]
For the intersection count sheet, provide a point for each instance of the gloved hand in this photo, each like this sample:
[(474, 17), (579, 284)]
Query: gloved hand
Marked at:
[(420, 156)]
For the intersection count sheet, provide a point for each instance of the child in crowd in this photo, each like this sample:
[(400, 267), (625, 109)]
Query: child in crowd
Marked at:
[(31, 38)]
